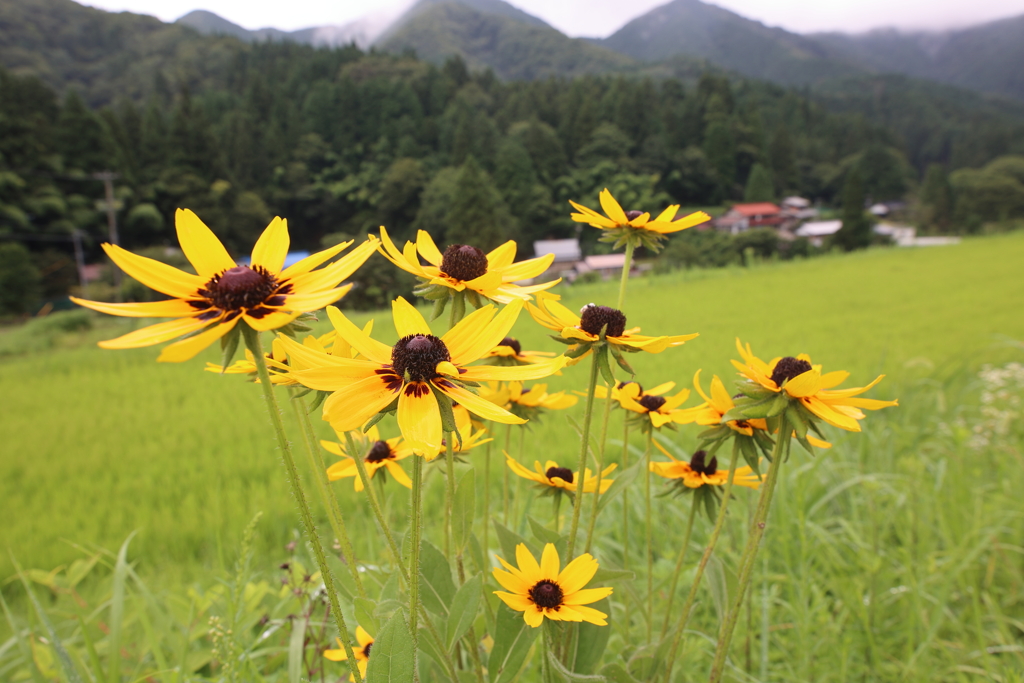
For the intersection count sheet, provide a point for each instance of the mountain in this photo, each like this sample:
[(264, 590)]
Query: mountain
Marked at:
[(694, 28), (362, 31), (493, 34), (987, 57)]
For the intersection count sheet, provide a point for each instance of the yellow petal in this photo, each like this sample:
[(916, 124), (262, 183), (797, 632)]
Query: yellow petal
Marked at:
[(503, 256), (510, 581), (477, 405), (371, 348), (331, 274), (186, 349), (169, 308), (350, 408), (201, 247), (591, 615), (271, 321), (528, 564), (156, 275), (428, 249), (408, 320), (805, 384), (612, 208), (549, 562), (305, 303), (539, 370), (419, 416), (154, 334), (462, 338), (587, 596), (362, 637), (313, 260), (489, 337), (272, 247), (577, 573)]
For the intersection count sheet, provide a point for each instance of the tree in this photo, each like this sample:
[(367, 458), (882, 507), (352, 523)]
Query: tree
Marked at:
[(936, 199), (80, 136), (720, 149), (19, 280), (759, 185), (856, 230), (478, 215)]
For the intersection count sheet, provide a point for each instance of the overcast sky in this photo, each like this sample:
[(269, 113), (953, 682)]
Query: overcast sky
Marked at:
[(603, 17)]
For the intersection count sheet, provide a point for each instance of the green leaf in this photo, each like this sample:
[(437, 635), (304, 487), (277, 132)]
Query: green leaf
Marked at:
[(463, 610), (392, 659), (508, 540), (229, 346), (796, 420), (463, 509), (542, 533), (616, 673), (604, 365), (439, 306), (606, 574), (117, 609), (366, 615), (296, 649), (62, 654), (570, 676), (512, 641), (437, 587), (318, 400), (447, 414), (621, 360), (621, 481), (592, 642)]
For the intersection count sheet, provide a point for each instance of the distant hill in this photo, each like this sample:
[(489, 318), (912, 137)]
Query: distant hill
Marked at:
[(694, 28), (362, 32), (491, 33), (986, 57)]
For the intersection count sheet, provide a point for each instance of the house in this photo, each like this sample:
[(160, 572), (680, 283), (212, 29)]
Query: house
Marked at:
[(565, 251), (743, 217), (798, 209), (607, 265), (817, 231)]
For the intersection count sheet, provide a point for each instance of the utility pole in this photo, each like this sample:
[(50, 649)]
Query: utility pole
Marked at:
[(76, 237), (111, 207)]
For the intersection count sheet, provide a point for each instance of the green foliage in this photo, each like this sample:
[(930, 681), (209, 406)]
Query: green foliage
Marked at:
[(936, 199), (759, 185), (992, 193), (20, 285), (856, 230)]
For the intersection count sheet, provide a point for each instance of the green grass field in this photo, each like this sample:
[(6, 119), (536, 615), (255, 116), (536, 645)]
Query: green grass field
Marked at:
[(897, 551)]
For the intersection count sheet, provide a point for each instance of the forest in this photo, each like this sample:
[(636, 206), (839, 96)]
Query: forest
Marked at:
[(341, 141)]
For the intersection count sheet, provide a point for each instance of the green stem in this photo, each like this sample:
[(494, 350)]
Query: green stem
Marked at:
[(487, 494), (625, 273), (679, 564), (599, 466), (449, 498), (416, 529), (750, 553), (557, 503), (649, 532), (684, 615), (316, 463), (382, 522), (252, 341), (505, 486), (625, 496), (577, 504)]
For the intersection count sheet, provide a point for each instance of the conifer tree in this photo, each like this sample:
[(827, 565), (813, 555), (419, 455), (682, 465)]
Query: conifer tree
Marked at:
[(856, 230), (478, 215), (759, 185)]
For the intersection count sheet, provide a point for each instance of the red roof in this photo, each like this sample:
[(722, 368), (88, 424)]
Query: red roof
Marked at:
[(758, 209)]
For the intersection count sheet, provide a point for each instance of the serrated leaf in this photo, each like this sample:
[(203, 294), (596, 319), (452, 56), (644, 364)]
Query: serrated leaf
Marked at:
[(393, 659), (463, 610)]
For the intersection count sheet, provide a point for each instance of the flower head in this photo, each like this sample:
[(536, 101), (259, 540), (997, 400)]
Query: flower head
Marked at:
[(510, 352), (561, 478), (412, 375), (208, 305), (463, 267), (541, 590), (376, 453), (650, 407), (798, 379), (362, 652), (597, 324), (702, 470), (621, 226)]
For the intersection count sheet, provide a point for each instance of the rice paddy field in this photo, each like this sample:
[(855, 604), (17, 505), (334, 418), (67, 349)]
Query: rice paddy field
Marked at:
[(896, 555)]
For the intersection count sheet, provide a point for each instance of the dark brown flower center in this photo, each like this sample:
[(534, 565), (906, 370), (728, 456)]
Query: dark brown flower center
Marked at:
[(593, 318), (547, 594), (700, 464), (788, 368), (652, 403), (240, 287), (417, 356), (512, 343), (630, 215), (463, 262), (380, 452), (563, 473), (366, 650)]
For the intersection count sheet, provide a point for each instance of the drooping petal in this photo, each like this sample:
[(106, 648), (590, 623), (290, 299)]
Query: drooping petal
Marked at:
[(477, 405), (408, 320), (398, 473), (360, 341), (186, 349), (829, 415), (201, 247), (271, 248), (156, 275), (419, 417), (169, 308), (591, 615), (532, 616), (351, 407), (155, 334)]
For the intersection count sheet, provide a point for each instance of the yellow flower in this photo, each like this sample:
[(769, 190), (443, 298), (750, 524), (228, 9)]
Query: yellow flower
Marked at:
[(586, 328), (265, 295), (376, 454), (362, 652), (277, 359), (652, 404), (541, 590), (801, 380), (408, 374), (464, 267), (526, 403), (702, 472), (510, 352), (616, 218), (561, 477)]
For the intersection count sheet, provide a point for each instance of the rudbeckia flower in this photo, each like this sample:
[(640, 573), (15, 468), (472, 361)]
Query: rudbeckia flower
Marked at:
[(702, 471), (585, 329), (414, 372), (362, 652), (800, 380), (560, 478), (376, 454), (510, 352), (463, 267), (541, 590), (634, 227), (650, 406), (527, 403), (210, 304)]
